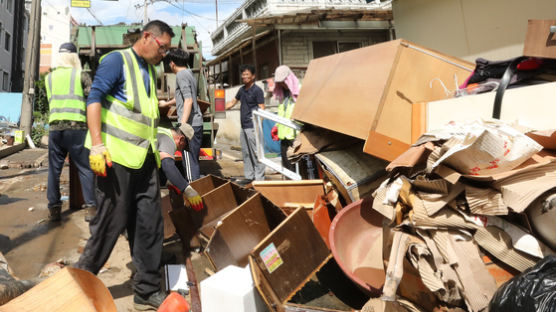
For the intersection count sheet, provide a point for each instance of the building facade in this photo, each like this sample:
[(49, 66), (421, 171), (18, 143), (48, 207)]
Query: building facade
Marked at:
[(14, 26), (469, 29), (55, 30), (269, 33)]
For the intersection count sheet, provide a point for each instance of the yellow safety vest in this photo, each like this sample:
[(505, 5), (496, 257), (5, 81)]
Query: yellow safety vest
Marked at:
[(168, 133), (129, 129), (65, 95), (285, 109)]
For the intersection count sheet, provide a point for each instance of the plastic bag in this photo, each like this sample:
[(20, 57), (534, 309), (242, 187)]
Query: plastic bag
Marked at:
[(534, 290)]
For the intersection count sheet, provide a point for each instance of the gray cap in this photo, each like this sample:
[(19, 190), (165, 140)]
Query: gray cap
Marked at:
[(187, 130), (68, 47), (281, 73)]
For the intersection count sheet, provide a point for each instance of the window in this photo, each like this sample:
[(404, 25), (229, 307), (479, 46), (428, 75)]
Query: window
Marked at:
[(10, 5), (6, 81), (7, 42), (324, 48), (346, 46), (1, 30)]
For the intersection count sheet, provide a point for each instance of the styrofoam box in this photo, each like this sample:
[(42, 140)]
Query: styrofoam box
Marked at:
[(231, 290)]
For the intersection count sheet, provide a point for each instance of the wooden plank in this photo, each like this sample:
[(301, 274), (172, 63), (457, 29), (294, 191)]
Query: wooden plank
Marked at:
[(185, 227), (282, 192), (69, 289), (355, 78), (292, 307), (418, 120), (384, 147), (238, 233), (7, 151), (166, 207), (217, 202), (263, 287), (207, 184), (539, 42), (416, 77), (295, 251)]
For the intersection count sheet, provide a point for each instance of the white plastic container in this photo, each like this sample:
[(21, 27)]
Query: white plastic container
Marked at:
[(231, 290)]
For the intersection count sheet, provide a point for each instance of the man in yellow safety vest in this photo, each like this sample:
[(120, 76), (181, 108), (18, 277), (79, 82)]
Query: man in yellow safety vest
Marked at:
[(122, 115), (66, 87)]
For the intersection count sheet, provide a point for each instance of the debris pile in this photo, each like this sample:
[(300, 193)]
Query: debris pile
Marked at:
[(458, 200)]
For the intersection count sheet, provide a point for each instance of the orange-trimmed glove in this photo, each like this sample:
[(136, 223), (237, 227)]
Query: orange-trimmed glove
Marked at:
[(193, 198), (274, 134), (99, 158)]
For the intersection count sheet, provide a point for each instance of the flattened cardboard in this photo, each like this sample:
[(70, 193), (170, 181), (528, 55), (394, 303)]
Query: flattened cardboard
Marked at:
[(499, 244), (485, 201), (546, 138), (520, 190), (434, 202), (541, 159), (411, 157)]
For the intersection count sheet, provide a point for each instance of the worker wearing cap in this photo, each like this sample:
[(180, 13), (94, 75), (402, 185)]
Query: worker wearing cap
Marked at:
[(185, 99), (122, 115), (66, 88), (286, 90), (169, 141)]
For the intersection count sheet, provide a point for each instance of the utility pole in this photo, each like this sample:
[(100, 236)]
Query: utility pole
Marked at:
[(145, 17), (216, 5), (33, 40)]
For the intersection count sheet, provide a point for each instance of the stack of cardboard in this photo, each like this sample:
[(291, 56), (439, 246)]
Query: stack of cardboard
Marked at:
[(456, 196)]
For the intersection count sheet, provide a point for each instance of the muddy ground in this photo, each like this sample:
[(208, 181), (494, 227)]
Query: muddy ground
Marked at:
[(29, 242)]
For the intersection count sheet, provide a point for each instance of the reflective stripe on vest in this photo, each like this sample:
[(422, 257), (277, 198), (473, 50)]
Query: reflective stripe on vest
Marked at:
[(65, 104), (128, 129), (285, 132)]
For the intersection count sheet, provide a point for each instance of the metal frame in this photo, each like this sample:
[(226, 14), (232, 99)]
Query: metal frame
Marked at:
[(258, 116)]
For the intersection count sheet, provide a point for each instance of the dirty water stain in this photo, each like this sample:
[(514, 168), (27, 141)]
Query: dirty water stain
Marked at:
[(44, 243)]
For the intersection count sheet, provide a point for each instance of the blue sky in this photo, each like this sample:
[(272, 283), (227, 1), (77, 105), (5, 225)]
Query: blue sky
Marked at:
[(198, 13)]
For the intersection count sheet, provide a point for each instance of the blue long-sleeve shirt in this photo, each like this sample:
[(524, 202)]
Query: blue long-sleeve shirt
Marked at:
[(110, 78)]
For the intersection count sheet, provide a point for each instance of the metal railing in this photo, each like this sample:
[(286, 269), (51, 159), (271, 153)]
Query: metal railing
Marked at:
[(258, 116)]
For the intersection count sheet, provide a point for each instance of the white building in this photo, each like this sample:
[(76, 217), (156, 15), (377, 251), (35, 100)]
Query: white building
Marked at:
[(269, 33), (55, 30)]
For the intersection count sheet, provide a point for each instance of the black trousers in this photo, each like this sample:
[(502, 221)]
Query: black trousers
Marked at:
[(190, 158), (284, 145), (128, 199)]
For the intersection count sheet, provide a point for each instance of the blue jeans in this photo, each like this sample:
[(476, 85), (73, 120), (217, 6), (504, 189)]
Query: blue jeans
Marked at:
[(190, 158), (60, 143)]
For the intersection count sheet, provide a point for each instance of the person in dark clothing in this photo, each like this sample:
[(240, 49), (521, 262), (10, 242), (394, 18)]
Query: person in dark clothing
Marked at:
[(122, 116), (251, 98), (185, 99), (66, 88)]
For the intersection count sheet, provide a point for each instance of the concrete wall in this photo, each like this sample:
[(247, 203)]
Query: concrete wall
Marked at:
[(7, 20), (493, 29)]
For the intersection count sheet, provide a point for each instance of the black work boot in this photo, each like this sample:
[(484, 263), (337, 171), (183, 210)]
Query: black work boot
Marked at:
[(90, 212), (151, 303), (55, 213)]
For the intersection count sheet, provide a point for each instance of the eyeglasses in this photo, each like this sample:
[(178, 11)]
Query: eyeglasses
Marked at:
[(161, 49)]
